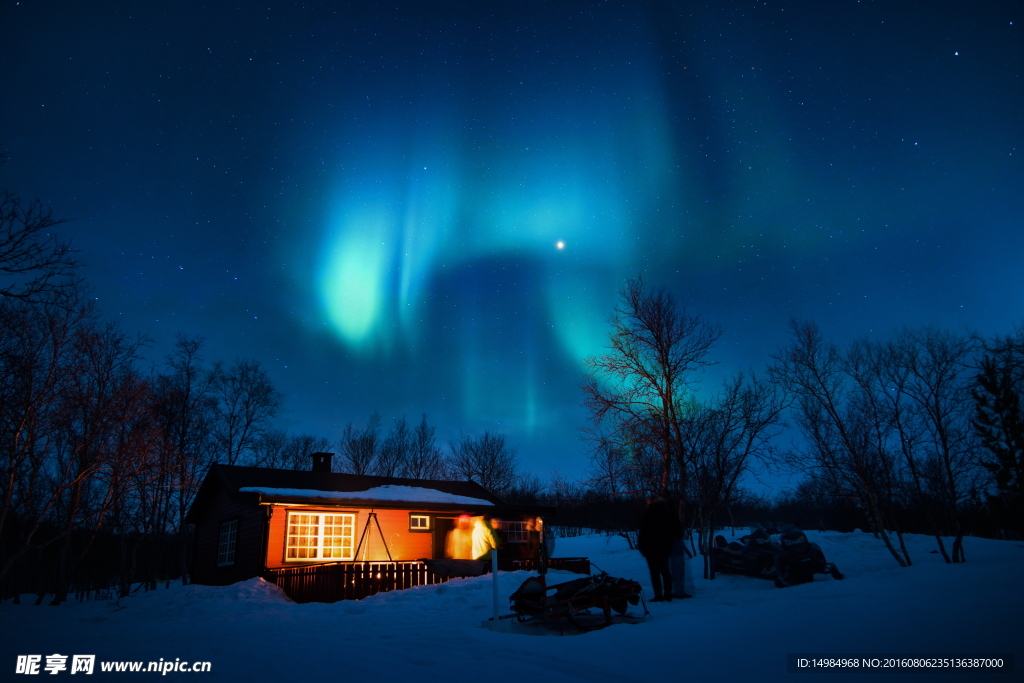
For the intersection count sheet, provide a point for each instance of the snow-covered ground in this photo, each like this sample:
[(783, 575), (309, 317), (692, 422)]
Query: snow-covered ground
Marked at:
[(736, 628)]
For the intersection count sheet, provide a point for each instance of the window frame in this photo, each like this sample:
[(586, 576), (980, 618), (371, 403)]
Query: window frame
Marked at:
[(321, 523), (509, 535), (420, 529), (227, 548)]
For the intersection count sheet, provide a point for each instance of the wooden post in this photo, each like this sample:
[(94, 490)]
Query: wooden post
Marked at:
[(494, 570)]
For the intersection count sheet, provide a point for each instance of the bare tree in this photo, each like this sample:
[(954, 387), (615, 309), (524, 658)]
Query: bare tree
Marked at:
[(246, 401), (999, 425), (269, 449), (845, 430), (298, 448), (528, 489), (75, 434), (873, 422), (640, 386), (610, 472), (37, 363), (724, 438), (36, 265), (395, 449), (359, 447), (487, 459), (103, 390), (425, 459), (183, 406), (924, 375), (131, 474), (625, 463)]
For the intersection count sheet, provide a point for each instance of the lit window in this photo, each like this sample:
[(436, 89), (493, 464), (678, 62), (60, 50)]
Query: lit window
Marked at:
[(320, 536), (419, 523), (515, 532), (226, 543)]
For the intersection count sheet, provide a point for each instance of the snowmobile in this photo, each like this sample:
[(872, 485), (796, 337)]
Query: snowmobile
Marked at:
[(575, 598), (792, 560)]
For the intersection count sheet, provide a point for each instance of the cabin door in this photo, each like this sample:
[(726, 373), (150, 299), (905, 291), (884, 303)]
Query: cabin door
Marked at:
[(442, 526)]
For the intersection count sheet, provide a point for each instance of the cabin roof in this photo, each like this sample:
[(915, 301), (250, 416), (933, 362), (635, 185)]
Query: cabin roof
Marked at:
[(262, 484)]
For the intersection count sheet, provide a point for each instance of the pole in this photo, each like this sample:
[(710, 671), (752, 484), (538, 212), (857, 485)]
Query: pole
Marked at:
[(494, 570)]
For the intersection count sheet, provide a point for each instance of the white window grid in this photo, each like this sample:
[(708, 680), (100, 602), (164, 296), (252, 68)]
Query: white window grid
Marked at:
[(515, 532), (319, 536), (226, 543), (419, 522)]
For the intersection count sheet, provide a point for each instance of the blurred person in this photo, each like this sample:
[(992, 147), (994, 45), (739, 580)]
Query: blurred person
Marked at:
[(533, 538), (483, 538), (459, 543)]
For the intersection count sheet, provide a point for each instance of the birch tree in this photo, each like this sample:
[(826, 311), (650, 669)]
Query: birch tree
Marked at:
[(245, 401), (425, 461), (488, 459), (360, 447), (36, 266), (639, 387), (725, 437), (846, 442)]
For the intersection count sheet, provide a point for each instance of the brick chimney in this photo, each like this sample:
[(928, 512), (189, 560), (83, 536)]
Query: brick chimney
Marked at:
[(322, 461)]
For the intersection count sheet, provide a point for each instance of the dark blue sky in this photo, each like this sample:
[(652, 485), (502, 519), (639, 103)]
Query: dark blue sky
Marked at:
[(430, 206)]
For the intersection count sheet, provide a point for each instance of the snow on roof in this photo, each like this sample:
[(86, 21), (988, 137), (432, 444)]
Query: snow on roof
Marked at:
[(410, 494)]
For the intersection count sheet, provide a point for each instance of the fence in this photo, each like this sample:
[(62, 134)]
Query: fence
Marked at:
[(355, 580), (580, 565), (350, 580)]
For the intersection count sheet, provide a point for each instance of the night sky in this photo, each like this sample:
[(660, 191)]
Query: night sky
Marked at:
[(429, 207)]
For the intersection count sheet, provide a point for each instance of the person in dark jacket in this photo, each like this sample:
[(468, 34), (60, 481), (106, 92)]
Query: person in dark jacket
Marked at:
[(659, 526)]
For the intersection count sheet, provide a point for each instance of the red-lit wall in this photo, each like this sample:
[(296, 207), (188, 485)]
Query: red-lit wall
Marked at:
[(394, 524)]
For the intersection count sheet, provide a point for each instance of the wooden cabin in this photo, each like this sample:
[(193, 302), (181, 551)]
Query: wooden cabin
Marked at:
[(252, 521)]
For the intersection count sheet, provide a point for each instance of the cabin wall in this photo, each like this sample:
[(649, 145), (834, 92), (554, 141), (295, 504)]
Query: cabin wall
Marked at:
[(394, 526), (248, 543), (404, 544)]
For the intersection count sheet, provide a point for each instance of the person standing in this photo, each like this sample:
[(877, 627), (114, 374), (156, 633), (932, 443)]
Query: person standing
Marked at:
[(659, 527), (459, 542), (482, 539)]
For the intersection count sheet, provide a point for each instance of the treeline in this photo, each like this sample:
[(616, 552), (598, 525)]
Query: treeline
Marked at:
[(921, 433), (403, 450), (101, 456)]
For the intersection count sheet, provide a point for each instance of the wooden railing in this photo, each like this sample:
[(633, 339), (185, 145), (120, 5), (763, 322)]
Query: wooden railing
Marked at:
[(580, 565), (349, 580), (356, 580)]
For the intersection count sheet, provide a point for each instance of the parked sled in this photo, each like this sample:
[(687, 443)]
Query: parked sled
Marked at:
[(536, 600), (791, 561)]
